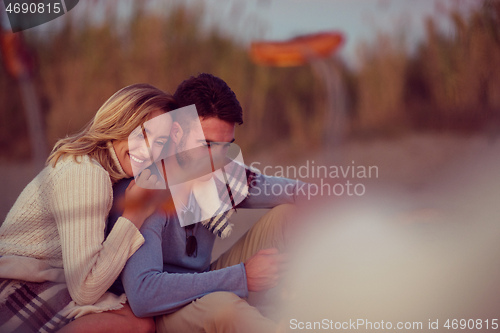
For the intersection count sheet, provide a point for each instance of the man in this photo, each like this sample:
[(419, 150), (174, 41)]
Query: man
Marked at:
[(171, 275)]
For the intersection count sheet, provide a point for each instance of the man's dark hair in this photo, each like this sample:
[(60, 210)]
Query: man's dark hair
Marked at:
[(212, 97)]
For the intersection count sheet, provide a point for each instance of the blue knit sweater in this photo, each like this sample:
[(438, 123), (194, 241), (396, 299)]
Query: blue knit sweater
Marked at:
[(160, 278)]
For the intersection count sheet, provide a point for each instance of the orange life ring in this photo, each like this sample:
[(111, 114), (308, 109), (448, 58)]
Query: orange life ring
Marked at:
[(296, 51), (17, 59)]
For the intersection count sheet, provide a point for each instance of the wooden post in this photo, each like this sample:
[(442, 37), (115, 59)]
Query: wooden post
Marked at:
[(19, 64), (316, 50)]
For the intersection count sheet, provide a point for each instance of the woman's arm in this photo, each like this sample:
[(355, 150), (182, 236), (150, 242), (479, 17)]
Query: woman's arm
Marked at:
[(81, 202)]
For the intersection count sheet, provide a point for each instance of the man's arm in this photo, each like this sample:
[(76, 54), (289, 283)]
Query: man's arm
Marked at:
[(152, 292), (269, 192)]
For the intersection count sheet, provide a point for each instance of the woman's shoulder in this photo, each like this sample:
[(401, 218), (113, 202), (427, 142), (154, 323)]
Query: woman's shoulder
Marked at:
[(68, 162), (82, 166)]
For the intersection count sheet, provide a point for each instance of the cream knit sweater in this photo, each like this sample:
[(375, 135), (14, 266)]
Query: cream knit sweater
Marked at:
[(60, 218)]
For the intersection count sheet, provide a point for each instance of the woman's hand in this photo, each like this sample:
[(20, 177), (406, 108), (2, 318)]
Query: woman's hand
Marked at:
[(141, 202)]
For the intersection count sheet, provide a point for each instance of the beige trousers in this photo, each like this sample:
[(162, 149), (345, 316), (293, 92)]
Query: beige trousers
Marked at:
[(225, 311)]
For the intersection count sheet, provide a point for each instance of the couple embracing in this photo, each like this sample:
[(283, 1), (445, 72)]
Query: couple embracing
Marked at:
[(106, 237)]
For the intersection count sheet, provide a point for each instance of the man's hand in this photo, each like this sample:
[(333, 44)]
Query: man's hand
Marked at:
[(264, 269), (140, 202)]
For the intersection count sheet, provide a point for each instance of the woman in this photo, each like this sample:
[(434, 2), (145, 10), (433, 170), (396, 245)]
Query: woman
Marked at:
[(54, 254)]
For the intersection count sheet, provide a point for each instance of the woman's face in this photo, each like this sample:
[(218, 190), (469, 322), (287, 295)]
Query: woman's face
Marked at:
[(133, 153)]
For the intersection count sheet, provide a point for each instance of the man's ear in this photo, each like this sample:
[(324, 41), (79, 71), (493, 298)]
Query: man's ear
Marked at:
[(176, 132)]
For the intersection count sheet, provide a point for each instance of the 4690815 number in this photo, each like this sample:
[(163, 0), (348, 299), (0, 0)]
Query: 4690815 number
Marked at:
[(33, 8), (471, 324)]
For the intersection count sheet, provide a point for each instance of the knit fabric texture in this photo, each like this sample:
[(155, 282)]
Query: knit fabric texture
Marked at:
[(60, 218)]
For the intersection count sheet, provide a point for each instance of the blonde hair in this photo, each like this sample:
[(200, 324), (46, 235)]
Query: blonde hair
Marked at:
[(118, 116)]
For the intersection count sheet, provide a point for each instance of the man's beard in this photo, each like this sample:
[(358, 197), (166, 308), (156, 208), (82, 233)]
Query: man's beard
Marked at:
[(195, 162)]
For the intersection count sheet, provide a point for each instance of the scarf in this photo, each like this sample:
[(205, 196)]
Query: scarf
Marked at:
[(232, 185)]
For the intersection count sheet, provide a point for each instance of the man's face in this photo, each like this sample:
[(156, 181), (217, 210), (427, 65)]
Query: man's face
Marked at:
[(214, 132), (205, 153)]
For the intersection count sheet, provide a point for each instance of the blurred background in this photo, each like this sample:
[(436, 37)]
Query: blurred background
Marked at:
[(419, 81), (414, 89)]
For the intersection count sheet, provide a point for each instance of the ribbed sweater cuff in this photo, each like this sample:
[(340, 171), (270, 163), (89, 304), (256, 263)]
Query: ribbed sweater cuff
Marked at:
[(125, 232)]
